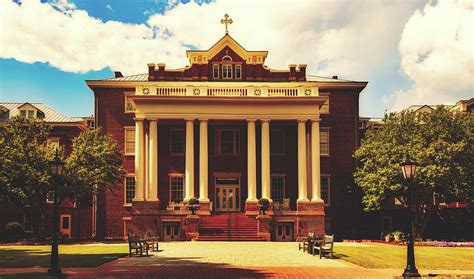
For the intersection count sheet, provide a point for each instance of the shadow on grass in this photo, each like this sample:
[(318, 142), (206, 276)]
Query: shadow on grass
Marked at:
[(30, 276), (13, 258)]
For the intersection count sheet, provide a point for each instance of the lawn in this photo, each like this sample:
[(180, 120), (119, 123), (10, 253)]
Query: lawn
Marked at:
[(390, 256), (69, 255)]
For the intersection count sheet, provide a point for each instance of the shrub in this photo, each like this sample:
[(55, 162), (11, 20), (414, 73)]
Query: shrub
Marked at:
[(263, 202), (14, 231), (193, 201)]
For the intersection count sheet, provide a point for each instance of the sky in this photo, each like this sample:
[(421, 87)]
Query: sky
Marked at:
[(410, 52)]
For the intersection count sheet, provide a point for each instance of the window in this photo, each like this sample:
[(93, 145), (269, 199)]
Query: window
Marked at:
[(177, 137), (277, 142), (30, 114), (238, 71), (226, 71), (324, 142), (228, 142), (129, 189), (53, 143), (325, 189), (65, 223), (128, 105), (129, 145), (278, 188), (177, 188), (215, 71)]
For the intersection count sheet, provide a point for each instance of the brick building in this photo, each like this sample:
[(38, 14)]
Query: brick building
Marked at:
[(74, 222), (228, 130)]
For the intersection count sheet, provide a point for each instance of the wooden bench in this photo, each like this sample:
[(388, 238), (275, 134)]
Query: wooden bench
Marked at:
[(134, 243), (302, 242), (326, 246)]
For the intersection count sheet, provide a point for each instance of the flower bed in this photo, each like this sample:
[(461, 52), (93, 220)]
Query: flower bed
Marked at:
[(427, 243)]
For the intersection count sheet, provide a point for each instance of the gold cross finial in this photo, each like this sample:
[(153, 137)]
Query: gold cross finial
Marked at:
[(226, 20)]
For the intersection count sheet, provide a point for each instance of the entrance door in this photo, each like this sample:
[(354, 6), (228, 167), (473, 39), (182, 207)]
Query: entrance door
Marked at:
[(284, 232), (171, 231), (227, 198)]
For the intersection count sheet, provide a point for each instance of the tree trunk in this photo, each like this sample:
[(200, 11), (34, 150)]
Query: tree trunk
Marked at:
[(78, 231), (40, 223)]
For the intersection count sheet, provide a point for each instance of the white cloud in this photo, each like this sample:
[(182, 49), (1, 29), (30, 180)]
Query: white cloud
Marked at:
[(352, 39), (437, 54), (109, 7)]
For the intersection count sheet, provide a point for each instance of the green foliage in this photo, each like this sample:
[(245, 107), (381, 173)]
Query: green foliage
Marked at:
[(262, 202), (94, 165), (24, 155), (440, 141), (14, 231), (193, 201)]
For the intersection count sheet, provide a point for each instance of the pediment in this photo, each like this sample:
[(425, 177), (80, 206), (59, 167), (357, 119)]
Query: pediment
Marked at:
[(203, 56)]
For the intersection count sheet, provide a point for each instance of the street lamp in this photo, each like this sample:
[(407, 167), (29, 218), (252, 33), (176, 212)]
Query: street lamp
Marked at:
[(56, 166), (409, 169)]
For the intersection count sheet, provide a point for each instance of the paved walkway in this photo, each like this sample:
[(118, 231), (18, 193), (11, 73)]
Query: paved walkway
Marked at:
[(227, 260)]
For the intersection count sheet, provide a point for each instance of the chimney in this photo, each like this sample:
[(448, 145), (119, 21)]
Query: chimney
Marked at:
[(302, 69), (334, 77), (292, 72), (151, 71), (118, 74), (161, 71)]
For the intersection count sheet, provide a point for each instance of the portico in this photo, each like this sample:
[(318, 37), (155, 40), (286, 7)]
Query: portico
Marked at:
[(202, 111)]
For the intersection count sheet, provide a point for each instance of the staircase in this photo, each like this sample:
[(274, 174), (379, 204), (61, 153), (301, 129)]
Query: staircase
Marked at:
[(233, 226)]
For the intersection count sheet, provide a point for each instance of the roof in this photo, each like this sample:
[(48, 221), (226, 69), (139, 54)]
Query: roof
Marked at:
[(144, 77), (50, 115)]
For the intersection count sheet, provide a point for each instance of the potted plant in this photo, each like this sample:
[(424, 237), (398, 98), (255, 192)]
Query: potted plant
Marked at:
[(263, 204), (389, 237), (193, 205), (397, 235)]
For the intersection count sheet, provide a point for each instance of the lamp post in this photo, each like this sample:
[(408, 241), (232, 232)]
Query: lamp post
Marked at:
[(56, 166), (409, 169)]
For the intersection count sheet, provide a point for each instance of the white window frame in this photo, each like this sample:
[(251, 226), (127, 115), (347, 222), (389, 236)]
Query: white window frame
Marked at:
[(279, 175), (47, 197), (132, 175), (126, 101), (328, 201), (54, 142), (214, 66), (224, 74), (236, 143), (171, 142), (325, 130), (240, 68), (125, 130), (176, 175)]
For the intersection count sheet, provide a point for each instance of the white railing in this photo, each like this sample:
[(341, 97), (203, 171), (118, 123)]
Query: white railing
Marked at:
[(247, 91)]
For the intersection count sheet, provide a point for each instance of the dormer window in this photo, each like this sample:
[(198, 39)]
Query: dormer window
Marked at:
[(226, 71), (25, 113), (215, 71)]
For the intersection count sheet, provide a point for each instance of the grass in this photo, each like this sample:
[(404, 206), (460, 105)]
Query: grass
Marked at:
[(390, 256), (69, 255)]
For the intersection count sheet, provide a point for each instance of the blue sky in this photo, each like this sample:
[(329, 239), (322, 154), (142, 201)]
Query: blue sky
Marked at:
[(385, 43)]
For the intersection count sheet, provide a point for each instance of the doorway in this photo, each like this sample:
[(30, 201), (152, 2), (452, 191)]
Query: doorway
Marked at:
[(284, 232), (171, 231), (227, 195)]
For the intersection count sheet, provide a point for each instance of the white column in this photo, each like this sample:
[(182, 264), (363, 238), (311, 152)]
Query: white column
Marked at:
[(266, 159), (153, 165), (139, 160), (302, 191), (189, 159), (315, 162), (251, 161), (203, 161)]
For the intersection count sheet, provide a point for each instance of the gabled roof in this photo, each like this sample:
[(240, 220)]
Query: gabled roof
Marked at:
[(221, 44), (50, 115)]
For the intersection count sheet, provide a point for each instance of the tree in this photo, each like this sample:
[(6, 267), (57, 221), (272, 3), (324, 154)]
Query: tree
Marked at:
[(440, 141), (94, 165), (24, 170)]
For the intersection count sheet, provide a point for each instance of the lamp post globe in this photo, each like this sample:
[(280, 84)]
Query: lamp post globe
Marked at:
[(56, 166), (409, 169)]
